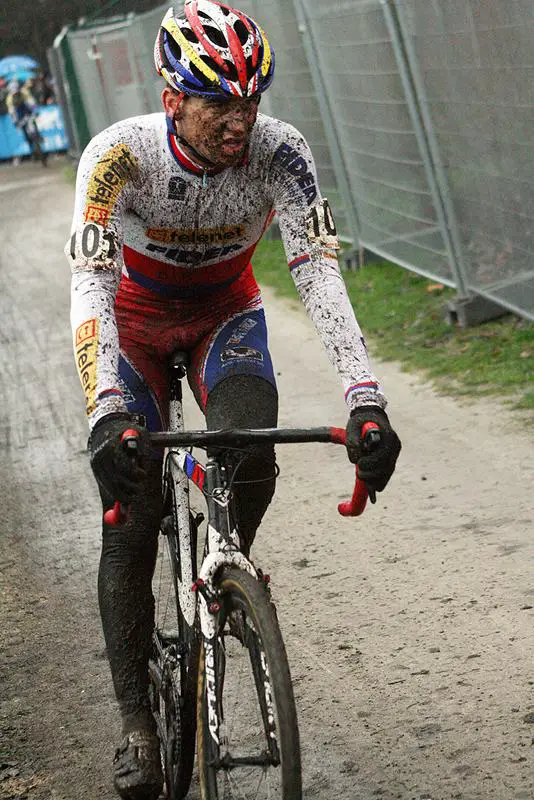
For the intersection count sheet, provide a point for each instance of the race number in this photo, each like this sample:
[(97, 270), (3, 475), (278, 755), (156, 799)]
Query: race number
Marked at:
[(322, 227), (95, 243)]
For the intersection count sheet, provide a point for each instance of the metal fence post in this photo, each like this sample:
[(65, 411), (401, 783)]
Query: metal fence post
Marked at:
[(405, 65), (56, 68), (439, 171), (328, 117), (72, 90)]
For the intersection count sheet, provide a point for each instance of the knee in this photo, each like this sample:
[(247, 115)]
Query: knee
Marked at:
[(245, 401)]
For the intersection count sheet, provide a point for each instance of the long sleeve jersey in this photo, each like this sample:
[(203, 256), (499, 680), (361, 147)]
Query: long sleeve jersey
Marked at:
[(145, 210)]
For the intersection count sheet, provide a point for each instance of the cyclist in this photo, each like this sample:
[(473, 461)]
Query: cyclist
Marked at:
[(21, 107), (169, 208)]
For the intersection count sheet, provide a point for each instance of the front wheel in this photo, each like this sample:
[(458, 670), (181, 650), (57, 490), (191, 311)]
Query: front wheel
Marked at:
[(247, 730)]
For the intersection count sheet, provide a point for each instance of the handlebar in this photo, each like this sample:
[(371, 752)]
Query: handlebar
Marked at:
[(241, 437), (356, 505)]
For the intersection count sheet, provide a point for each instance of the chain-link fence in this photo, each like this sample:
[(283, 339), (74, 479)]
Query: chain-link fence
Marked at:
[(475, 63), (419, 114), (387, 174)]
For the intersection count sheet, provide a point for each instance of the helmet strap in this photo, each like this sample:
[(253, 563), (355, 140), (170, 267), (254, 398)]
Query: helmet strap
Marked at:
[(196, 154)]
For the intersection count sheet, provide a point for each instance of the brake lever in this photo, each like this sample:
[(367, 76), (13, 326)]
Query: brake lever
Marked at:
[(371, 438), (118, 514)]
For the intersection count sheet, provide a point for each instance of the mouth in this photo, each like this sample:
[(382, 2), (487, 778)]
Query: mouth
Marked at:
[(233, 145)]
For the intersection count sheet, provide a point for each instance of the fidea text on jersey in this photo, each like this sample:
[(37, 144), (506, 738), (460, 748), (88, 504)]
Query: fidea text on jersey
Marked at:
[(291, 160)]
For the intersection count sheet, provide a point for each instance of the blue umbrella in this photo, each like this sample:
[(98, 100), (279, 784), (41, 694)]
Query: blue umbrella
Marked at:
[(21, 76), (13, 66)]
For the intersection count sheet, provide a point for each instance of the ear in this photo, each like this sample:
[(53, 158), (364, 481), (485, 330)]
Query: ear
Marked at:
[(172, 101)]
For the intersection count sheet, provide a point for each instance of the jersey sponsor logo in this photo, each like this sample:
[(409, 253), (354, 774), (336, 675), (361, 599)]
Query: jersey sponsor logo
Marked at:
[(321, 227), (193, 257), (220, 235), (239, 333), (296, 165), (85, 347), (241, 352), (114, 170), (177, 189), (125, 391)]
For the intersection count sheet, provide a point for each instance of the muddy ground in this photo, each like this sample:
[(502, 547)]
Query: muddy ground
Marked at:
[(409, 631)]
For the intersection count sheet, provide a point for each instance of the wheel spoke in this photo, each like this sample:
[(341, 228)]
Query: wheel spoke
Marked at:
[(232, 782)]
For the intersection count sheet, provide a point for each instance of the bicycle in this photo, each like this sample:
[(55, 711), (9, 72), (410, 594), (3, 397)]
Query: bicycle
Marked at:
[(224, 626)]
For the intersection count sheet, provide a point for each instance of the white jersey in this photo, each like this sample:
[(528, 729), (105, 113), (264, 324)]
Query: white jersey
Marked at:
[(146, 212)]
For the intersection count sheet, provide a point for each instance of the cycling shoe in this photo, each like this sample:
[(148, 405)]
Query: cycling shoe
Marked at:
[(137, 763)]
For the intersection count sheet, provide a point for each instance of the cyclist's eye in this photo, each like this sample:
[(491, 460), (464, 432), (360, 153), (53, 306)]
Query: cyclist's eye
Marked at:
[(217, 101)]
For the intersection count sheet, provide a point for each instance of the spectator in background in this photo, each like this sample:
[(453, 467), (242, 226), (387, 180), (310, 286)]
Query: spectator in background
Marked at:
[(42, 89), (22, 109), (21, 105)]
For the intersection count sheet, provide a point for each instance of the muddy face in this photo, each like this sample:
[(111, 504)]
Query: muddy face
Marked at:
[(218, 130)]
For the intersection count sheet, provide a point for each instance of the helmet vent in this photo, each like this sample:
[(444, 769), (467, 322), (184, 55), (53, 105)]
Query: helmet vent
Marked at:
[(241, 29), (210, 62), (173, 46), (232, 71), (215, 35), (251, 69), (189, 35), (199, 75)]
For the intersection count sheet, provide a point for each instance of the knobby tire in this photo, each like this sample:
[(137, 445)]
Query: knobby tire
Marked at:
[(257, 632)]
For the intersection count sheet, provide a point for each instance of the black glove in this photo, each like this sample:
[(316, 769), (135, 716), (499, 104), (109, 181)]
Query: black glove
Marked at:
[(376, 466), (119, 472)]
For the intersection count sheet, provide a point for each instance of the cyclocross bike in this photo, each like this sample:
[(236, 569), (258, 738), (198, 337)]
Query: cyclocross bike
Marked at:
[(219, 670)]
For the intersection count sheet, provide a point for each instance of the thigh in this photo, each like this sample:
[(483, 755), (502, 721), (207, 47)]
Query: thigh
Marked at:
[(237, 347), (144, 384)]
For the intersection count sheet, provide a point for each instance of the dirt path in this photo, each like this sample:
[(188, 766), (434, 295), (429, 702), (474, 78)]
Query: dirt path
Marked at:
[(410, 631)]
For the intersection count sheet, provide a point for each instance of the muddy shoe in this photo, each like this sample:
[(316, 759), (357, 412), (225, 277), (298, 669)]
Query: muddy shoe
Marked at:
[(137, 763)]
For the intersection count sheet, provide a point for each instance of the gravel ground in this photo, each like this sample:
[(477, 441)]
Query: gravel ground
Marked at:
[(409, 631)]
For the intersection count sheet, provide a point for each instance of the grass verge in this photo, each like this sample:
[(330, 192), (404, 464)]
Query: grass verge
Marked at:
[(401, 315), (69, 173)]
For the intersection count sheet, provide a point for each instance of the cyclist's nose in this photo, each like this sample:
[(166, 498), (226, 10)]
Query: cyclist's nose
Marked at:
[(238, 123)]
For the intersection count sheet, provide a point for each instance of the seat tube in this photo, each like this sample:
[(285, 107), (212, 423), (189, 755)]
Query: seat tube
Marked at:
[(176, 414)]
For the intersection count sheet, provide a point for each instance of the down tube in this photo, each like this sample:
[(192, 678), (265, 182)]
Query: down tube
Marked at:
[(182, 524)]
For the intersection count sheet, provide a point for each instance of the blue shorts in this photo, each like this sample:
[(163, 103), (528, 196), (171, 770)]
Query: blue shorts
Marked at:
[(237, 346)]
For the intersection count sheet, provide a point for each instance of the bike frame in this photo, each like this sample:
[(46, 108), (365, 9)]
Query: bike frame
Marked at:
[(223, 545)]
